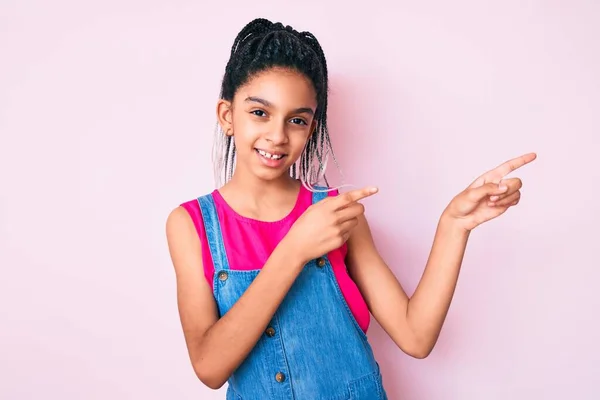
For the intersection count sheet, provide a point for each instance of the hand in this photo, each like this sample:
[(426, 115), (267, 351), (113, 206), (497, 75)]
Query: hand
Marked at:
[(326, 225), (489, 196)]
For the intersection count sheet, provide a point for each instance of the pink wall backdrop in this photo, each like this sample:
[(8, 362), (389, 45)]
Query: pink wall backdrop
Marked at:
[(106, 121)]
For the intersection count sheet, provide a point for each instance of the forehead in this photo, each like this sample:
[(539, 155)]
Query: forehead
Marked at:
[(282, 87)]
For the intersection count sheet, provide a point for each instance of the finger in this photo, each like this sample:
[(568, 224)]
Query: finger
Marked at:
[(345, 237), (509, 166), (477, 182), (513, 184), (507, 201), (489, 189), (347, 226), (351, 211), (345, 199)]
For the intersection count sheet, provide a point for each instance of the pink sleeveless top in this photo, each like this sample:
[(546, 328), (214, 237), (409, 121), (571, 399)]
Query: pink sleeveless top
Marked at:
[(245, 252)]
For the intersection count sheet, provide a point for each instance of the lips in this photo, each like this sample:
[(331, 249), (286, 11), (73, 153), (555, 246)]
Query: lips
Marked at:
[(271, 155), (271, 160)]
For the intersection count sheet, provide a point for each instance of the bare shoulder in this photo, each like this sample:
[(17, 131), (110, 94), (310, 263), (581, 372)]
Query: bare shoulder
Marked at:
[(179, 224), (182, 238)]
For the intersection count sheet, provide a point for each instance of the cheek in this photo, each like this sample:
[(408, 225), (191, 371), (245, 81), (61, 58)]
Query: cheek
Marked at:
[(239, 122), (245, 130), (298, 141)]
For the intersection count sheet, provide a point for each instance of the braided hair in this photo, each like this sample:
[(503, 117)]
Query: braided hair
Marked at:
[(262, 45)]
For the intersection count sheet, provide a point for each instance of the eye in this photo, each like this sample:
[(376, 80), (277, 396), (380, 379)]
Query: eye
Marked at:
[(298, 121), (258, 113)]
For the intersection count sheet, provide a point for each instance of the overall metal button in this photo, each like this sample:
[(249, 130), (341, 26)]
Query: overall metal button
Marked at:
[(321, 262), (280, 377), (270, 331), (223, 275)]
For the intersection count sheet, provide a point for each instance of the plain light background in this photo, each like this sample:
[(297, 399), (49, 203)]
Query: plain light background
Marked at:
[(107, 112)]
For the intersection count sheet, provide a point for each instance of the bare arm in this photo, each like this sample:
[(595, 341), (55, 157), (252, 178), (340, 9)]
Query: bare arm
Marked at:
[(413, 324), (218, 346), (428, 307)]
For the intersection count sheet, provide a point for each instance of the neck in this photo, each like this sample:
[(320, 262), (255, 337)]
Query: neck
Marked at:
[(257, 188), (265, 200)]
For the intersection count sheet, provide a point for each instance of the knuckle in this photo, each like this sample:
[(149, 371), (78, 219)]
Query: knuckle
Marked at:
[(471, 194)]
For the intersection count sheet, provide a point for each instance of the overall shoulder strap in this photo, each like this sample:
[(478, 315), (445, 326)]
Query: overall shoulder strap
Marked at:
[(213, 232), (318, 196)]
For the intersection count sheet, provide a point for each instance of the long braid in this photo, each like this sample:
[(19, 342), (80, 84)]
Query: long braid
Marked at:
[(326, 146)]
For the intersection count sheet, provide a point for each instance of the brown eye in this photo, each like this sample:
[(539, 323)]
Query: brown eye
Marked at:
[(258, 113), (299, 121)]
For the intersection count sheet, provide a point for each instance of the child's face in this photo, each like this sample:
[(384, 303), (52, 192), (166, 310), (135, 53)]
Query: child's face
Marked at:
[(271, 119)]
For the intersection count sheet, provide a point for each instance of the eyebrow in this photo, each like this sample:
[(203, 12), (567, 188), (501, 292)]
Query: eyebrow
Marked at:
[(266, 103)]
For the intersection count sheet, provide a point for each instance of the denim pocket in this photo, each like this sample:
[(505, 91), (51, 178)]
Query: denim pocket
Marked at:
[(368, 387), (232, 394)]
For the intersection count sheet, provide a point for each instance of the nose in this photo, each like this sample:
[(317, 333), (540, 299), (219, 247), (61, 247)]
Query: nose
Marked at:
[(277, 134)]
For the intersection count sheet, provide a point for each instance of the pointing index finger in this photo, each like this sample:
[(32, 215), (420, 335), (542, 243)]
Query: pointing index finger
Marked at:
[(509, 166), (352, 196)]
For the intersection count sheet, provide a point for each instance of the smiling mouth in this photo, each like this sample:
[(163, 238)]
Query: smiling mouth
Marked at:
[(270, 156)]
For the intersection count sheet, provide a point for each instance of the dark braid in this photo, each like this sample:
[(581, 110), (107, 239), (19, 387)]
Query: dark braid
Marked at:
[(262, 45)]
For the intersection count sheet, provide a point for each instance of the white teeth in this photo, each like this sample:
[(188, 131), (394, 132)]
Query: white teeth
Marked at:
[(269, 155)]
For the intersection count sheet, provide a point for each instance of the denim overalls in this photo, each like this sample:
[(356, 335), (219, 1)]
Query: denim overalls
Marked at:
[(312, 349)]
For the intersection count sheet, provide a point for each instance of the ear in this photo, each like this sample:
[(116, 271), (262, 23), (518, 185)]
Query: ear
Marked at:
[(225, 116)]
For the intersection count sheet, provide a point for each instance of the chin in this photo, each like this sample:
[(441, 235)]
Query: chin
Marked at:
[(272, 175)]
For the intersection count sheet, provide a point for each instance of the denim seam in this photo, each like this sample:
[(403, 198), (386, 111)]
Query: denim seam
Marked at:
[(283, 352), (214, 235)]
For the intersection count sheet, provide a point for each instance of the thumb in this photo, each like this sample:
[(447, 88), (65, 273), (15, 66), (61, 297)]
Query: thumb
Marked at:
[(489, 189)]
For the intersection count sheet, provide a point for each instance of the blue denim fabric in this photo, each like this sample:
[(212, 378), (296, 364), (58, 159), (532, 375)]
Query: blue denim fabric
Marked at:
[(313, 348)]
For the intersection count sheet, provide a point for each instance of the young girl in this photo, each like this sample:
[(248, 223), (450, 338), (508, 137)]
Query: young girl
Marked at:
[(277, 274)]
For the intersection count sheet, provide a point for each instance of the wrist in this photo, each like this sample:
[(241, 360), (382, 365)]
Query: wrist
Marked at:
[(291, 252), (453, 225)]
